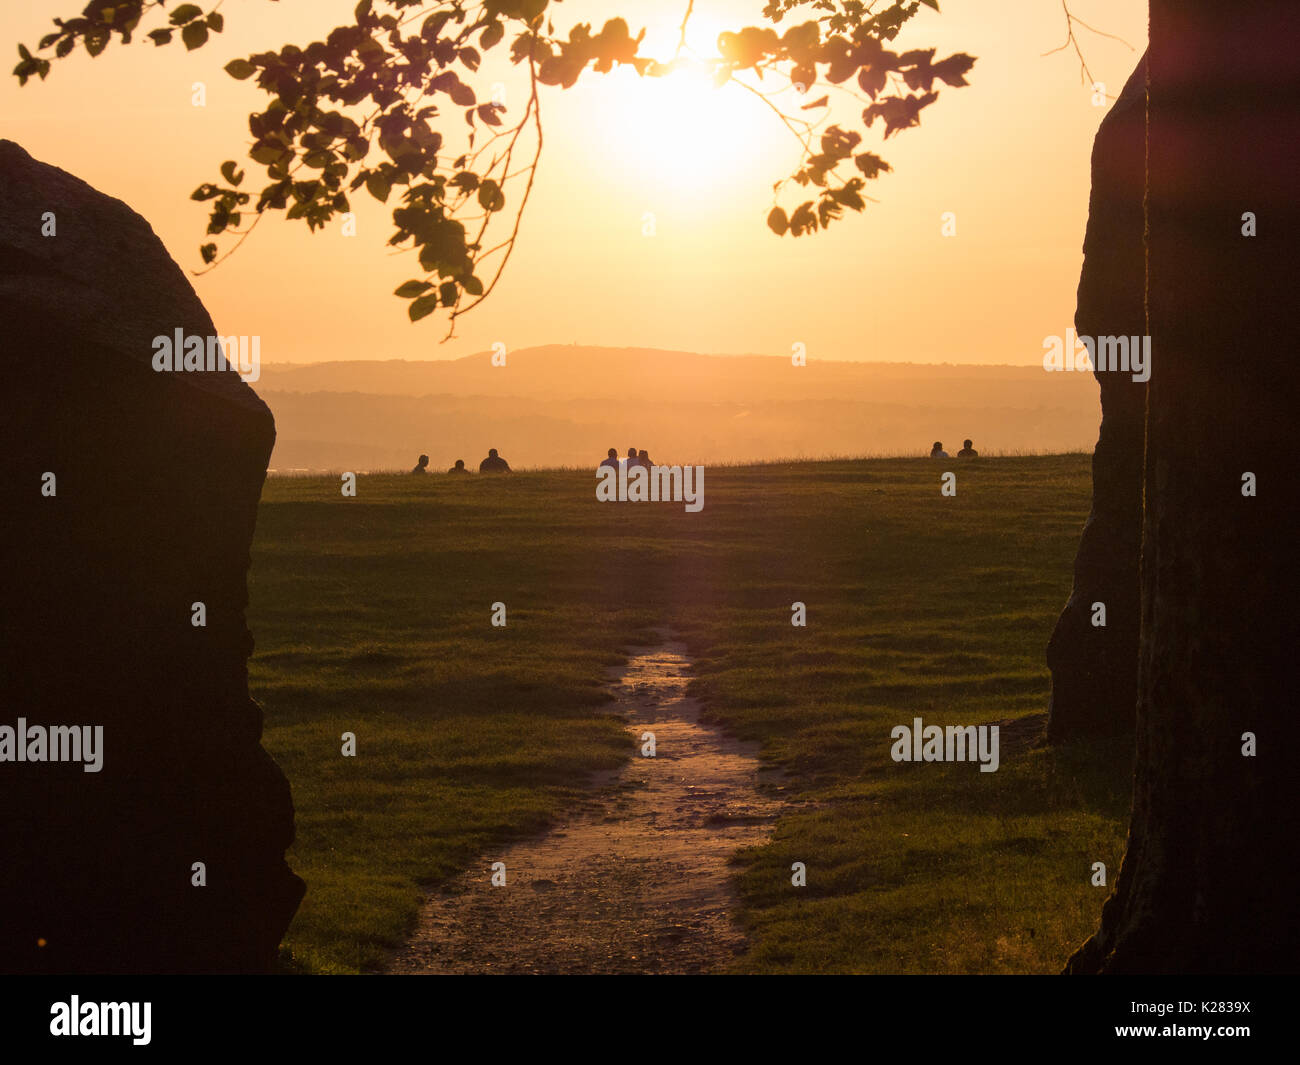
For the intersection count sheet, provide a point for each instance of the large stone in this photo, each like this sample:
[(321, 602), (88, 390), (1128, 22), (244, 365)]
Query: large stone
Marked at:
[(158, 477), (1211, 878), (1094, 667)]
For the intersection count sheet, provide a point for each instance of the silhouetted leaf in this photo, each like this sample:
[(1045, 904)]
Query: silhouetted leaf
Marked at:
[(379, 185), (195, 35), (267, 153), (422, 307), (803, 220), (872, 80), (899, 112), (953, 69), (871, 165), (185, 13), (491, 196), (410, 289)]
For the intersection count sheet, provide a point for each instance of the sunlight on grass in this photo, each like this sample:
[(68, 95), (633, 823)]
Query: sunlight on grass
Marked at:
[(371, 616)]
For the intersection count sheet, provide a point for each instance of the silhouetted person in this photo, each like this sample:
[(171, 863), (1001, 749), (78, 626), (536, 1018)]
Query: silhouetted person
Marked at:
[(644, 459), (937, 452), (967, 452), (612, 461), (459, 467), (632, 460), (494, 463), (422, 466)]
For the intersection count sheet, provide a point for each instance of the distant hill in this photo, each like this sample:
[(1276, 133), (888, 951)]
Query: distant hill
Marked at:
[(566, 405)]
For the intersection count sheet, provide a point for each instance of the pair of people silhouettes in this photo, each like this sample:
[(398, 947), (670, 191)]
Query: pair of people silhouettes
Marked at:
[(966, 452)]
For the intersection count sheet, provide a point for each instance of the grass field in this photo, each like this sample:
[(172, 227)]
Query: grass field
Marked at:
[(372, 615)]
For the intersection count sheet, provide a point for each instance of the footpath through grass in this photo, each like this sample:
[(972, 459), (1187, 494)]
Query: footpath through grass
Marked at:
[(372, 615)]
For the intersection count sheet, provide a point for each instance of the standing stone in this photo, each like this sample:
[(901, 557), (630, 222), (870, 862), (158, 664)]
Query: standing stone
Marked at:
[(1211, 878), (158, 481), (1094, 669)]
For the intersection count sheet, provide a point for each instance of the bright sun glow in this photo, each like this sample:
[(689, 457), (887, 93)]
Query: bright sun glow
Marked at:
[(681, 133)]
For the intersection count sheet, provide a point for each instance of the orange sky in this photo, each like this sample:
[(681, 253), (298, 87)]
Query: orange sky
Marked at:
[(1009, 155)]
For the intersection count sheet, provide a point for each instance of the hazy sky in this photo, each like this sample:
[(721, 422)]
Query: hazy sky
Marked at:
[(1009, 155)]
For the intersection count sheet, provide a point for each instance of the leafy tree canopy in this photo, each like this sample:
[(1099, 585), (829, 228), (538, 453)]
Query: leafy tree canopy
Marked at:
[(386, 104)]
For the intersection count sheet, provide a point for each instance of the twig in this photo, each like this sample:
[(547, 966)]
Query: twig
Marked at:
[(681, 41), (1085, 74)]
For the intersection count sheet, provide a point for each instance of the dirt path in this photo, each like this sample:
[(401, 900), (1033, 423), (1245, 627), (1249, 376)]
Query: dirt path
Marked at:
[(638, 881)]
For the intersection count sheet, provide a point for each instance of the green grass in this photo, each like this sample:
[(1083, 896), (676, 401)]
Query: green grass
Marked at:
[(372, 616)]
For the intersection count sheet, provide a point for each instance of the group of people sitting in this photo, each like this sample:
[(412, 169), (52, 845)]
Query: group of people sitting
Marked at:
[(494, 463), (966, 452), (634, 458)]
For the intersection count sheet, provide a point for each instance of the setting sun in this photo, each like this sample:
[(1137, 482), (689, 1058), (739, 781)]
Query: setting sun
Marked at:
[(684, 133)]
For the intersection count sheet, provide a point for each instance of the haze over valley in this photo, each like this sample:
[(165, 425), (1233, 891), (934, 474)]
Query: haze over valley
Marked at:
[(564, 405)]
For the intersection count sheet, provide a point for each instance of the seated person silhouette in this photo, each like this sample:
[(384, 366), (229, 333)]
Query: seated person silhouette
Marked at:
[(632, 460), (644, 459), (422, 466), (494, 463), (612, 461), (967, 452), (459, 467), (937, 452)]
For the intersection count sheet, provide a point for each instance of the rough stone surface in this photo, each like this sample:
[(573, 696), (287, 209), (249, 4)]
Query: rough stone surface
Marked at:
[(1211, 878), (158, 481), (1094, 668)]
